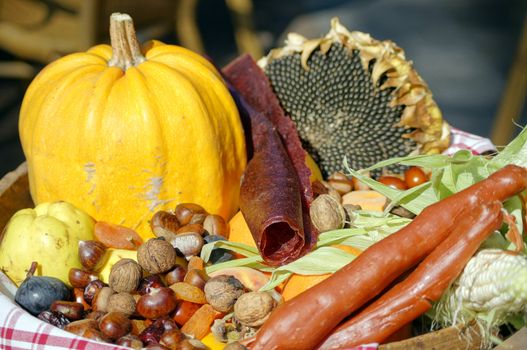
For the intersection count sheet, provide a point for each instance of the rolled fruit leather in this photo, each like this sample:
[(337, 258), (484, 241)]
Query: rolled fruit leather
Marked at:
[(275, 191)]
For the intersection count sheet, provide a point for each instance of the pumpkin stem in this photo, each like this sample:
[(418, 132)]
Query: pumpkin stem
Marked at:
[(126, 51)]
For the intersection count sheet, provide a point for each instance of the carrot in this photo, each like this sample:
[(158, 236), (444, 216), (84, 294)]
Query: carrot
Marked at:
[(412, 297), (306, 320)]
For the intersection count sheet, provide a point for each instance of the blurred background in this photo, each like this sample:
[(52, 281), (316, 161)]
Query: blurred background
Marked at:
[(472, 53)]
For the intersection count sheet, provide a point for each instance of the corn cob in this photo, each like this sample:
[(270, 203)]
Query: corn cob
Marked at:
[(495, 281)]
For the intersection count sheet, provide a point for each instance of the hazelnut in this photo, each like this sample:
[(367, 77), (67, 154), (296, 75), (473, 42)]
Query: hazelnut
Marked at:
[(121, 302), (156, 256), (222, 292), (327, 213), (252, 309), (100, 301), (125, 276)]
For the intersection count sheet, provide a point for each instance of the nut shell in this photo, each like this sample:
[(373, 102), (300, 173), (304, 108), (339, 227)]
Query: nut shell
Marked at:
[(222, 292), (252, 309), (156, 256), (125, 276), (327, 213), (121, 302)]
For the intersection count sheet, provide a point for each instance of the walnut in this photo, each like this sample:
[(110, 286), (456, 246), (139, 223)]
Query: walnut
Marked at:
[(252, 309), (122, 302), (125, 276), (156, 256), (222, 292), (327, 213)]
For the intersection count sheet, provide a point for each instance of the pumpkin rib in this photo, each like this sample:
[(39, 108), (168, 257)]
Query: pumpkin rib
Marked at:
[(43, 101), (174, 75), (157, 73), (222, 94), (50, 115)]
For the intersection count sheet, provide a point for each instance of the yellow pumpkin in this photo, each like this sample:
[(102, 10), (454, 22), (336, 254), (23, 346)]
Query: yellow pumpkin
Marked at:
[(122, 131)]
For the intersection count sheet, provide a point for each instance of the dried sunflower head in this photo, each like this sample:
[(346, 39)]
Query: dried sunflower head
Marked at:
[(356, 97)]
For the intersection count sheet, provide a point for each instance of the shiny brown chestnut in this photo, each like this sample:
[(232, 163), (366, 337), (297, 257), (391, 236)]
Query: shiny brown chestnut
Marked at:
[(150, 282), (172, 338), (185, 211), (91, 289), (91, 254), (115, 325), (72, 310), (159, 302), (196, 278), (79, 278), (130, 341), (177, 274)]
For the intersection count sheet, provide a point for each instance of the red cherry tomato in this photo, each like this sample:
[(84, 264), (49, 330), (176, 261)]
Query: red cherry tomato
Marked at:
[(393, 182), (414, 177)]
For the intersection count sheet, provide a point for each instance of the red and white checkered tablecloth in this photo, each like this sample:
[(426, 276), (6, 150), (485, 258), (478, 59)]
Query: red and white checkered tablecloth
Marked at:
[(19, 330), (463, 140)]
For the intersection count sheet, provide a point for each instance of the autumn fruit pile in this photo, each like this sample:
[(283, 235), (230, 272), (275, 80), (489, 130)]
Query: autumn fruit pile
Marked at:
[(159, 294), (177, 207)]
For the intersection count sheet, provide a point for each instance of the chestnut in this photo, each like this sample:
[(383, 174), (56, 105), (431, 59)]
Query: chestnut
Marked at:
[(72, 310), (130, 341), (115, 325), (191, 228), (216, 225), (79, 278), (150, 282), (164, 224), (91, 254), (79, 327), (172, 338), (177, 274), (185, 211), (197, 278), (188, 244), (91, 289), (159, 302)]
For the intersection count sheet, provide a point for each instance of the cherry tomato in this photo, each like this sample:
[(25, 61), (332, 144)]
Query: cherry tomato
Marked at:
[(414, 177), (393, 182)]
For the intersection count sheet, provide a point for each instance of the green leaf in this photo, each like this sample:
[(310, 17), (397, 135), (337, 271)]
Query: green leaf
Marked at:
[(421, 160), (256, 262), (239, 248), (514, 153), (320, 261)]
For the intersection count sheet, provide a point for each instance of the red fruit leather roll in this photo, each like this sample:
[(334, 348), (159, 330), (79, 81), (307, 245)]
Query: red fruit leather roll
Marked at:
[(274, 194), (253, 85), (411, 298), (306, 320)]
